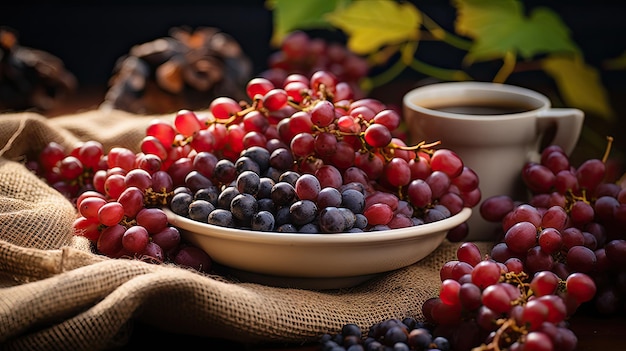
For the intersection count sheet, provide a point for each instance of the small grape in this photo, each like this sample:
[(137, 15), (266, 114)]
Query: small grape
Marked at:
[(303, 212), (191, 256), (221, 217), (135, 239), (199, 210), (243, 207), (263, 221)]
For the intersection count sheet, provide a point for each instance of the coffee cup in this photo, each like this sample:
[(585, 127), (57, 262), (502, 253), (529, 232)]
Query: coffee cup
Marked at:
[(495, 129)]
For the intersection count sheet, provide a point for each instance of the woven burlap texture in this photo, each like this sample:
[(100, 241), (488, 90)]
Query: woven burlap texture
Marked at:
[(55, 293)]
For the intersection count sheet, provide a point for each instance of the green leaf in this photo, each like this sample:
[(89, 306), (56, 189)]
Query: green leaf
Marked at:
[(579, 84), (372, 24), (289, 15), (500, 26)]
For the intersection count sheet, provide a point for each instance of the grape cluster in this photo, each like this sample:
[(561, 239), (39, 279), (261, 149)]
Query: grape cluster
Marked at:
[(573, 222), (70, 173), (303, 54), (118, 197), (391, 334), (484, 304), (307, 156)]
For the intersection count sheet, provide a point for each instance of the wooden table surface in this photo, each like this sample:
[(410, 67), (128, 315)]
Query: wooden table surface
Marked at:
[(594, 334)]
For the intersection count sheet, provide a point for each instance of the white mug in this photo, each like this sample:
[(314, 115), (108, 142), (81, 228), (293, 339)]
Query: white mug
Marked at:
[(495, 129)]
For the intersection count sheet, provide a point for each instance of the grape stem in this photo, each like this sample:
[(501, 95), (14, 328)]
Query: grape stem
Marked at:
[(157, 198), (127, 223), (419, 146), (609, 143), (571, 199), (234, 116), (518, 279), (294, 104), (501, 333)]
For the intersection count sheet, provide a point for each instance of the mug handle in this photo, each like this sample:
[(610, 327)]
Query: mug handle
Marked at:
[(568, 122)]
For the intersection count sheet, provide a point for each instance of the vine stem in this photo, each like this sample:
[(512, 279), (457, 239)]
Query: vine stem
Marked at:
[(438, 32), (385, 77), (437, 72), (407, 59), (507, 67)]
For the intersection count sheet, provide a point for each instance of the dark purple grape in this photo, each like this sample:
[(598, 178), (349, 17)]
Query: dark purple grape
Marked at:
[(247, 164), (281, 159), (303, 212), (260, 155), (199, 210), (289, 177), (221, 217), (283, 193), (360, 221), (328, 197), (180, 204), (248, 182), (209, 194), (349, 217), (272, 173), (224, 171), (353, 200), (196, 181), (331, 220), (262, 221), (309, 228), (243, 207), (434, 215), (266, 204), (265, 188), (226, 197)]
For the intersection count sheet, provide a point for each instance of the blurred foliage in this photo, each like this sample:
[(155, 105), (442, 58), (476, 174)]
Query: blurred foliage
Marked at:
[(489, 30), (499, 33)]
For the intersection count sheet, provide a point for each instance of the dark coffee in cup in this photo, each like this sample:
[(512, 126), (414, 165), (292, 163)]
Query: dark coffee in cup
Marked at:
[(484, 109)]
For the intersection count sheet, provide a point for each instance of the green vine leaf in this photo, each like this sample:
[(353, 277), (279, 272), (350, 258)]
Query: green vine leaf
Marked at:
[(579, 84), (500, 26), (289, 15), (373, 24)]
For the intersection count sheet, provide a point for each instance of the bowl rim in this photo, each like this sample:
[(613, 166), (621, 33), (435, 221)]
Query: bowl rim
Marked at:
[(305, 238)]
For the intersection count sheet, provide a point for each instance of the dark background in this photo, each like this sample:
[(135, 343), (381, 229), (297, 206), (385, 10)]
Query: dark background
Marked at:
[(90, 38)]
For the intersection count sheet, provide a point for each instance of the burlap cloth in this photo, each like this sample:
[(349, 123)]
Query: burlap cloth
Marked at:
[(55, 293)]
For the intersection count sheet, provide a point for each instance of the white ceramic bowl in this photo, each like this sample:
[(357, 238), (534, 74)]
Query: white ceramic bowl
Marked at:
[(316, 261)]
